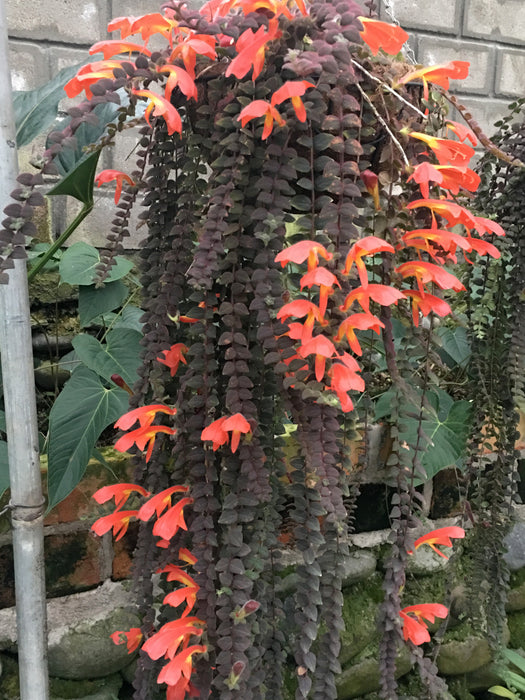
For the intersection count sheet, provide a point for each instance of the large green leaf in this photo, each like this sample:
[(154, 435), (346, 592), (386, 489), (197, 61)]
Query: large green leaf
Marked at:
[(79, 415), (78, 183), (36, 110), (93, 301), (120, 354), (86, 134), (445, 426), (4, 468), (78, 265), (455, 347)]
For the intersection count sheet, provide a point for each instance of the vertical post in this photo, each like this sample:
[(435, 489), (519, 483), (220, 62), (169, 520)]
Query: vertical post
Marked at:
[(21, 426)]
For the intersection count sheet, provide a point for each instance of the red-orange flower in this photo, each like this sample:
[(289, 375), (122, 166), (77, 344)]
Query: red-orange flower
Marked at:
[(89, 74), (371, 182), (153, 23), (380, 293), (111, 47), (325, 280), (173, 357), (438, 75), (381, 35), (426, 303), (120, 492), (369, 245), (172, 520), (117, 521), (299, 308), (181, 665), (304, 250), (171, 636), (251, 48), (144, 414), (161, 107), (345, 378), (187, 594), (447, 152), (425, 272), (216, 433), (293, 89), (414, 616), (142, 437), (261, 108), (157, 504), (109, 175), (452, 212), (442, 536), (190, 46), (178, 77), (322, 348), (462, 132), (237, 425), (132, 638), (362, 322)]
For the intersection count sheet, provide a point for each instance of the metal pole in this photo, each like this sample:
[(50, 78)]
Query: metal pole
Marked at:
[(21, 426)]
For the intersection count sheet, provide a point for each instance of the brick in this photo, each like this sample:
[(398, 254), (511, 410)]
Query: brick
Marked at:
[(499, 20), (29, 65), (441, 16), (485, 111), (432, 50), (72, 562), (510, 76), (82, 22)]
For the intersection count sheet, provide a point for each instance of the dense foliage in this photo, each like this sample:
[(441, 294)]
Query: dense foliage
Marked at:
[(295, 273)]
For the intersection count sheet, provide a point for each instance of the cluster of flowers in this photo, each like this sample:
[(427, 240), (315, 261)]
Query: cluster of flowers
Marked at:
[(173, 641)]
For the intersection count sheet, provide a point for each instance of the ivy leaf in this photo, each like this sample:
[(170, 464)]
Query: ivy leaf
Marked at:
[(79, 415), (119, 355)]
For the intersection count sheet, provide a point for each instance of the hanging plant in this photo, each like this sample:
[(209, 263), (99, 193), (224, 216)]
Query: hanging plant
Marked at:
[(302, 188)]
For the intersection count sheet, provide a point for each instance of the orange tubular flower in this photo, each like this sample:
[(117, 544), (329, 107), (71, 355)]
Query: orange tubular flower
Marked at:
[(438, 75), (172, 520), (187, 594), (381, 35), (293, 89), (109, 175), (173, 357), (446, 151), (181, 666), (191, 46), (455, 177), (426, 303), (325, 279), (117, 521), (362, 322), (142, 437), (344, 378), (157, 504), (304, 250), (251, 49), (423, 174), (261, 108), (442, 536), (132, 638), (178, 77), (413, 616), (89, 74), (435, 241), (216, 433), (120, 492), (425, 272), (153, 23), (370, 245), (145, 415), (298, 309), (452, 212), (171, 636), (112, 47), (237, 425), (161, 108), (380, 293), (462, 132), (322, 348)]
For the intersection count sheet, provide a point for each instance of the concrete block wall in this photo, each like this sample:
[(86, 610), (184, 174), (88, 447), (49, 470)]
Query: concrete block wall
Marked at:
[(488, 33)]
